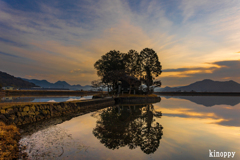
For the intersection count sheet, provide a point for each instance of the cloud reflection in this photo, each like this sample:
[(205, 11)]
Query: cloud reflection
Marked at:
[(223, 111)]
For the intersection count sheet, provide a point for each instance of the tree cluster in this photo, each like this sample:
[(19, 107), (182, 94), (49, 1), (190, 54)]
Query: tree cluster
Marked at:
[(115, 66)]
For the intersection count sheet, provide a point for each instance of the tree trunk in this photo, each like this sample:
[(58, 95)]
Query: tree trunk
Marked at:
[(130, 87)]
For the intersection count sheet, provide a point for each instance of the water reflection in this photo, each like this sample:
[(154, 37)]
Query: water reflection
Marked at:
[(135, 132), (219, 112), (132, 126), (209, 101)]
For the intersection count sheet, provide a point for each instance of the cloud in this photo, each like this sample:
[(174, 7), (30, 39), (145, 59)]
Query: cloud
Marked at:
[(75, 70), (82, 71), (225, 70), (225, 114), (54, 38), (189, 69), (7, 54)]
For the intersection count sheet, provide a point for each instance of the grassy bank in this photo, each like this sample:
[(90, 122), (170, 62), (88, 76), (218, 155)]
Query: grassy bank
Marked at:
[(9, 137)]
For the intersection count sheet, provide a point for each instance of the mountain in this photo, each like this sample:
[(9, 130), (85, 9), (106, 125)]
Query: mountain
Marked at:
[(207, 85), (9, 80), (62, 84), (58, 84)]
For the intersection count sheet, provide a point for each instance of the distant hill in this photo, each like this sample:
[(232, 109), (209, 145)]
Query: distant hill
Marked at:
[(58, 84), (207, 85), (9, 80)]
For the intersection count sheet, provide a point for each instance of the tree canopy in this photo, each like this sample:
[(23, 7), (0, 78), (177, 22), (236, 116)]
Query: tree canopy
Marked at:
[(115, 65), (109, 64), (150, 66)]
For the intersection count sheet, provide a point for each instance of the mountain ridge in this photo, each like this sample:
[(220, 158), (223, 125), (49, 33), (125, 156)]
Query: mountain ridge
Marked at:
[(58, 84), (206, 85), (9, 80)]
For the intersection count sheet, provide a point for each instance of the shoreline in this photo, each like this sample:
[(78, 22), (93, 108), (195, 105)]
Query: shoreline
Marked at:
[(198, 93), (17, 115), (14, 116), (46, 93)]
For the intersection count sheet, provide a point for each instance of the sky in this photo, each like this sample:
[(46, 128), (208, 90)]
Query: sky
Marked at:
[(61, 40)]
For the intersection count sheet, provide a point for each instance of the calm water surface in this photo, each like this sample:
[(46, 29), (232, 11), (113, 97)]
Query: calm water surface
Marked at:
[(187, 129)]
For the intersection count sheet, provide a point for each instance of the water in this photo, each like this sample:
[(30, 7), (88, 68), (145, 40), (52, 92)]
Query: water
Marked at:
[(188, 128), (43, 98)]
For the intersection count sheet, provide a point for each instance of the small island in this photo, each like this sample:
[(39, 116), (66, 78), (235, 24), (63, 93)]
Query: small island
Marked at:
[(128, 73)]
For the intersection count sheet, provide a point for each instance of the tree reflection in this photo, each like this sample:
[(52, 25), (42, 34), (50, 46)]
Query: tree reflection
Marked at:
[(130, 126)]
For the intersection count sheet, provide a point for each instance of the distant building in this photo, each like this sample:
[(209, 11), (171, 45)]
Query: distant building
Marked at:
[(8, 88)]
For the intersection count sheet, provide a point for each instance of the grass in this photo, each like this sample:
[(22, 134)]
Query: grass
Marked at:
[(9, 137)]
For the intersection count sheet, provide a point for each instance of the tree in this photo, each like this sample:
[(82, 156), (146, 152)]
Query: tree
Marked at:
[(132, 82), (111, 63), (97, 84), (157, 83), (133, 67), (150, 66)]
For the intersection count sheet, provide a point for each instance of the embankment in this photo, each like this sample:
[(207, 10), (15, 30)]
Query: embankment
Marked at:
[(2, 93), (49, 93), (39, 114), (25, 113)]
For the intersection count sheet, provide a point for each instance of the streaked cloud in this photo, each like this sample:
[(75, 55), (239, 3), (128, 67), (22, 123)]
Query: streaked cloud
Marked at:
[(7, 54), (82, 71), (75, 70), (225, 70), (57, 37), (188, 69)]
